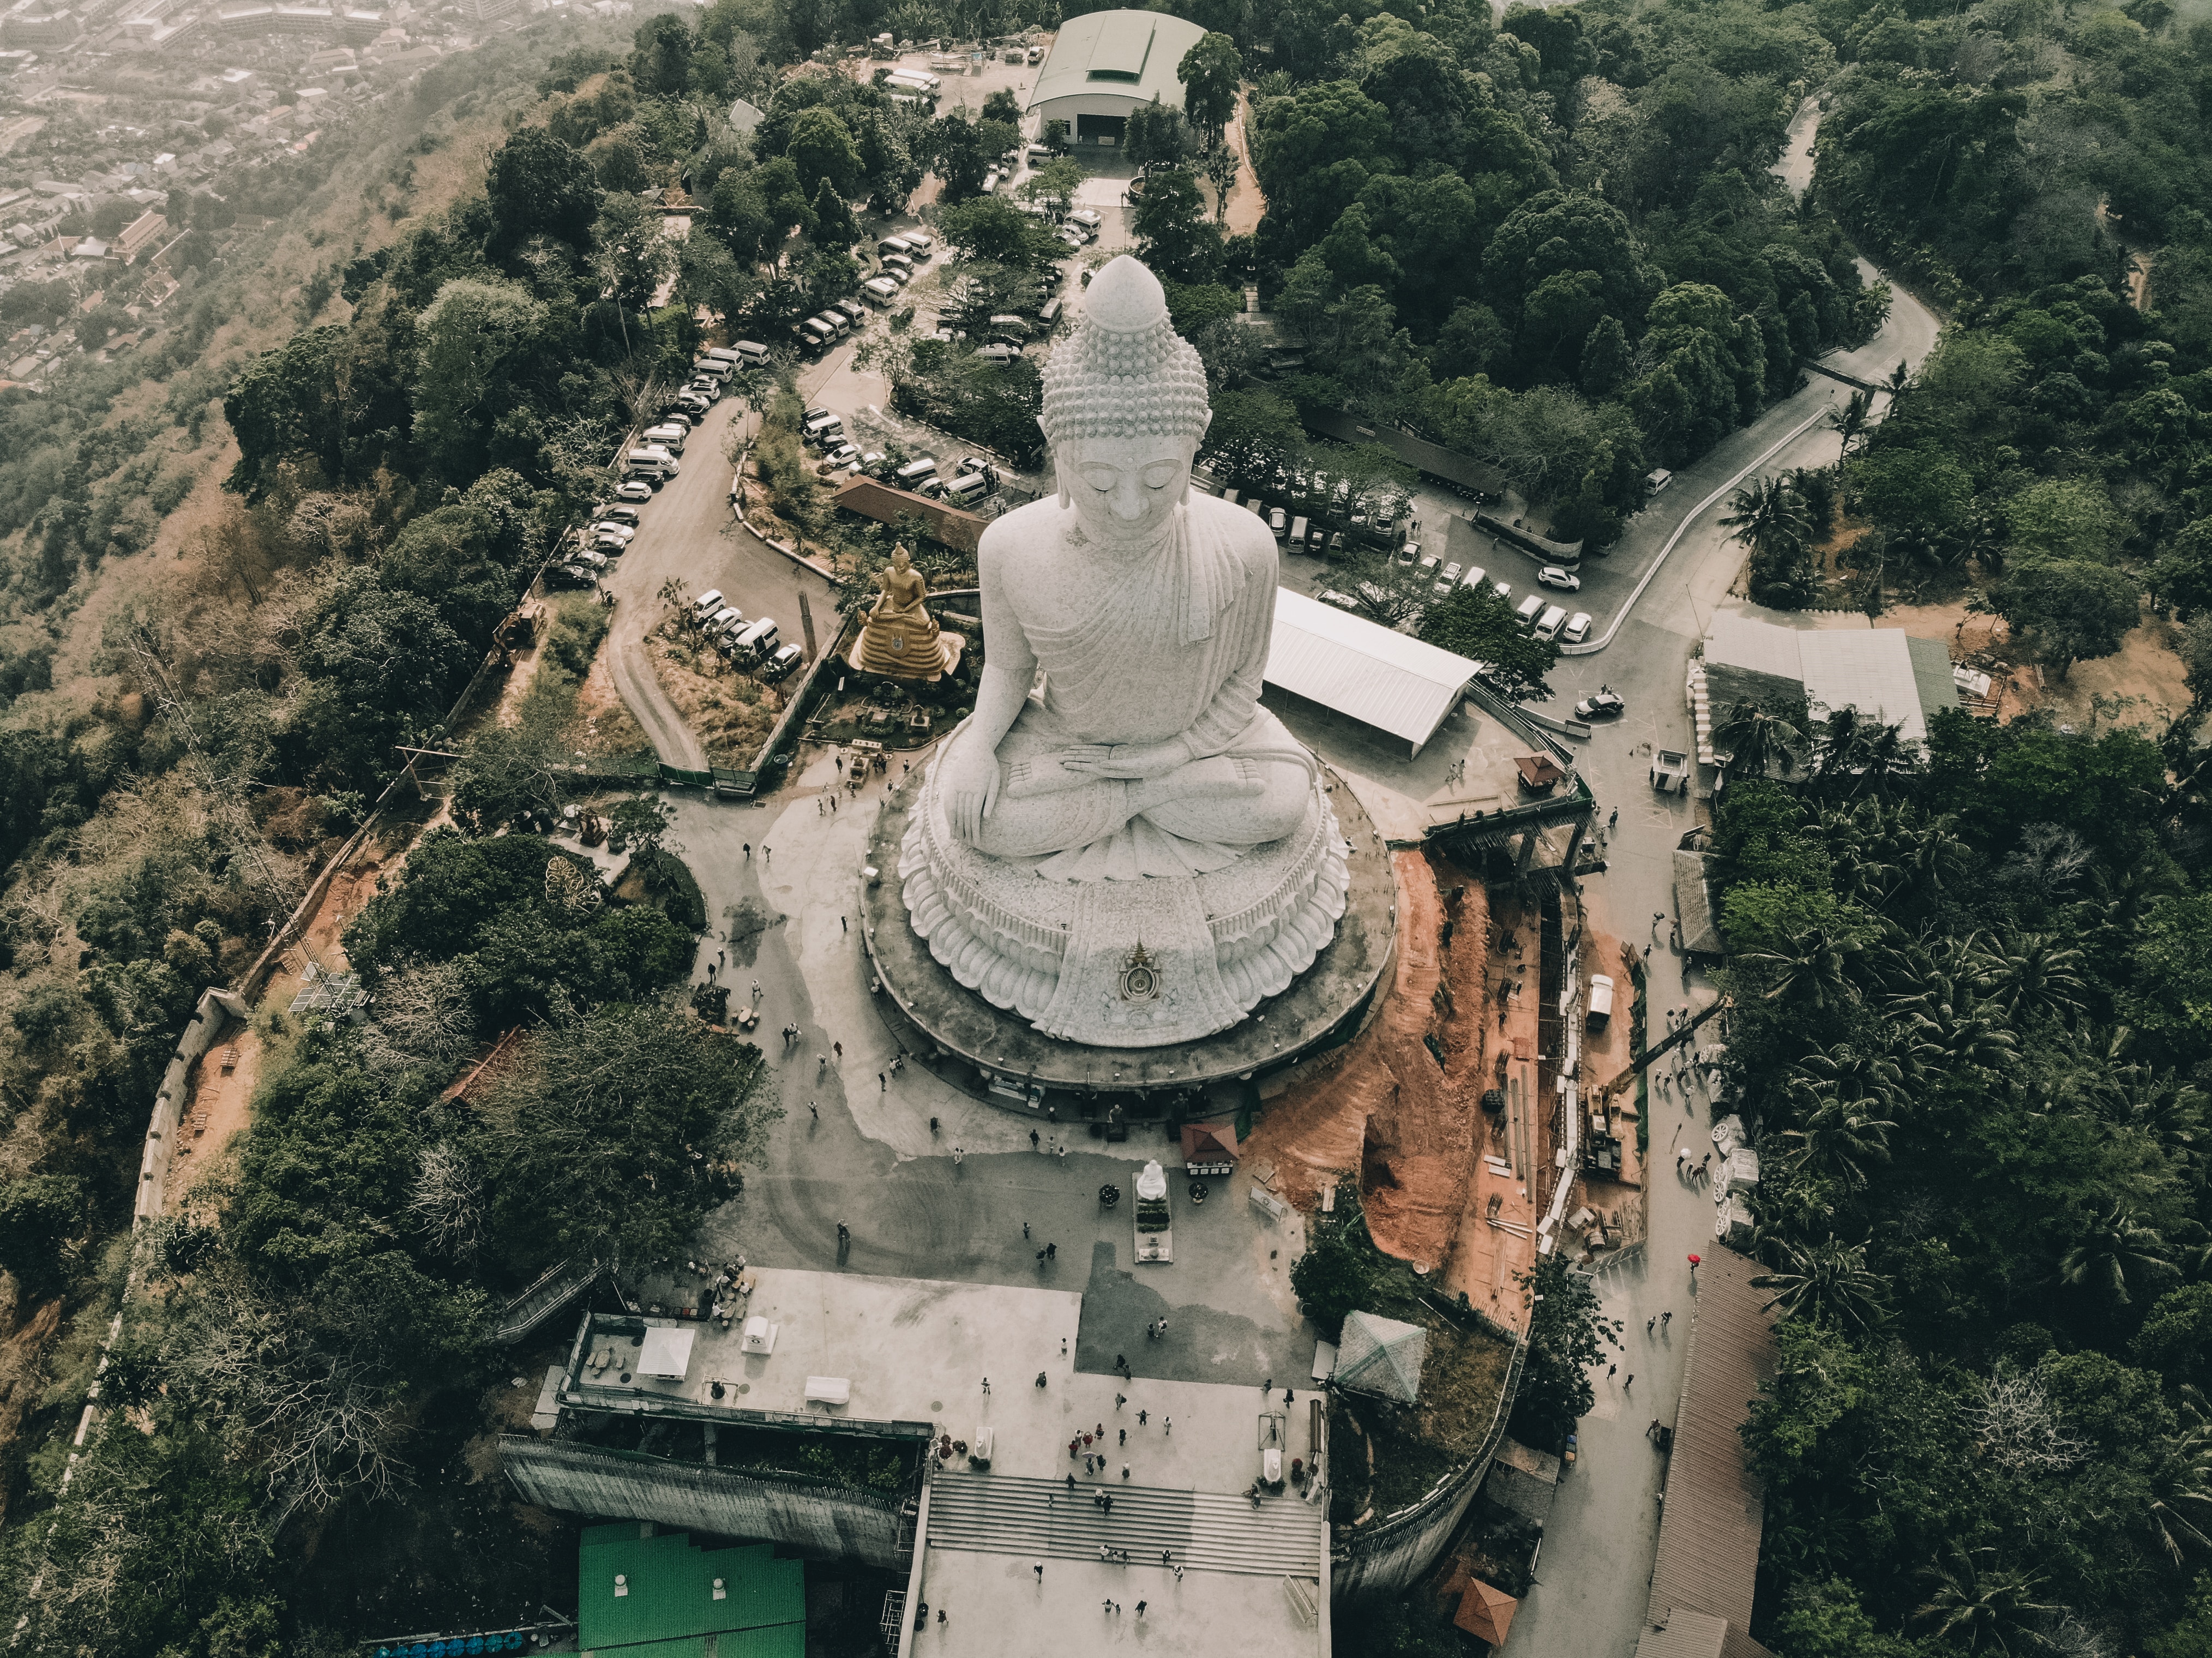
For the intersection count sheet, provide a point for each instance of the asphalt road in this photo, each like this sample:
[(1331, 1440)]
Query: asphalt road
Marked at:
[(1595, 1571)]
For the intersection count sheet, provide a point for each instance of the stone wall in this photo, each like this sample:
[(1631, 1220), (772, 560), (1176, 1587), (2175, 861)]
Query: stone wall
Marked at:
[(216, 1009), (818, 1520)]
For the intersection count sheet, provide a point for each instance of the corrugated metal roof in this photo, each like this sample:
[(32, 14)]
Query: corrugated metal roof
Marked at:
[(1693, 903), (880, 501), (1871, 671), (1708, 1532), (1745, 642), (1684, 1635), (1931, 672), (1132, 54), (1347, 662)]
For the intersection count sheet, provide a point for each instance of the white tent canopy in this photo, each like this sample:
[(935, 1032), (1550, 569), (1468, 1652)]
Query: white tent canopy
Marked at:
[(1381, 1356)]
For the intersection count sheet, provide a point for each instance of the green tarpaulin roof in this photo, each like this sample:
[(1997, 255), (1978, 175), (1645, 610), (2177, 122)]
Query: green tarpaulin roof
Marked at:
[(669, 1610)]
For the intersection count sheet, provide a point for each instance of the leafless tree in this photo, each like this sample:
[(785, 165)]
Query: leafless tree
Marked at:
[(422, 1019), (326, 1423), (446, 1205), (2016, 1425), (569, 889)]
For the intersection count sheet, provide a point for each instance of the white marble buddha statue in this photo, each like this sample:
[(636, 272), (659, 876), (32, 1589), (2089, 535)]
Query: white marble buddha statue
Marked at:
[(1148, 611), (1119, 794)]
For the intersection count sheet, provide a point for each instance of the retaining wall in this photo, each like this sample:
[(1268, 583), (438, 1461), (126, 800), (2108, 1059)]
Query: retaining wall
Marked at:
[(216, 1009), (1394, 1553), (824, 1522)]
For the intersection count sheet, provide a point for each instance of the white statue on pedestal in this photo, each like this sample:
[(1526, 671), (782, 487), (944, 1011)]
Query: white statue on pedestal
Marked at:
[(1118, 741)]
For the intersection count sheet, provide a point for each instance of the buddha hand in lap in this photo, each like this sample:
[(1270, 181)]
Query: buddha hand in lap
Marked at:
[(1150, 613)]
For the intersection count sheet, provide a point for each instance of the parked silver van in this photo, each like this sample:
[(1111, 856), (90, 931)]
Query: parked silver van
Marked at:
[(1530, 611), (1555, 618), (756, 642)]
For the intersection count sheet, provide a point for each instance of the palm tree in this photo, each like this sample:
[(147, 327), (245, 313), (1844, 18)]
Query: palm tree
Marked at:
[(2034, 973), (1851, 420), (1755, 737), (1811, 968), (1836, 1139), (1982, 1609), (1869, 1079), (1770, 518), (1826, 1282), (2116, 1247), (2181, 1485)]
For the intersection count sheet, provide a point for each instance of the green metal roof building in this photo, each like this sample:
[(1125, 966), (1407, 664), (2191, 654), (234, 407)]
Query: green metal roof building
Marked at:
[(643, 1595), (1103, 65)]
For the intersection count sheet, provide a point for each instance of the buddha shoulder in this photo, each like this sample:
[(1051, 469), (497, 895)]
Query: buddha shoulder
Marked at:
[(1243, 532)]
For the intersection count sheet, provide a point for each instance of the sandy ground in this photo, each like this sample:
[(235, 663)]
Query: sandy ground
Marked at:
[(222, 1095), (1246, 204), (1414, 1130), (2146, 678)]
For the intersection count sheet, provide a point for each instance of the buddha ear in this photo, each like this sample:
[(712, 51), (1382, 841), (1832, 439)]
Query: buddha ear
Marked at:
[(1059, 484)]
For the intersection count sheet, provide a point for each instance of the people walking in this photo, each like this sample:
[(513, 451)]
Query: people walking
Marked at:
[(1124, 1432), (1037, 1566), (1140, 1419), (1033, 1139), (987, 1386), (1628, 1382), (883, 1084), (813, 1111), (1666, 1318), (1039, 1381), (1167, 1424), (1025, 1231), (1648, 1324)]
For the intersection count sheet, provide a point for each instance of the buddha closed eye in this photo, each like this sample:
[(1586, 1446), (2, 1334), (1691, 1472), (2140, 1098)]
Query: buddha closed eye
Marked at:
[(1158, 475)]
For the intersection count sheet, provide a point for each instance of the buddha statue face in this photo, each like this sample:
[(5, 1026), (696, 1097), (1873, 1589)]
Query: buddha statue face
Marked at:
[(1124, 489), (901, 558)]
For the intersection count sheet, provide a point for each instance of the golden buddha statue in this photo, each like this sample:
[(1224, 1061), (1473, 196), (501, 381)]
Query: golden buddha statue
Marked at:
[(900, 639)]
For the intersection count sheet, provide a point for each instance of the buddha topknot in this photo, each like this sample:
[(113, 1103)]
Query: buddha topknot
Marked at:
[(1124, 371)]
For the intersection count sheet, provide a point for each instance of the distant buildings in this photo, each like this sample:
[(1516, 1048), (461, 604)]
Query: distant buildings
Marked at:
[(145, 232)]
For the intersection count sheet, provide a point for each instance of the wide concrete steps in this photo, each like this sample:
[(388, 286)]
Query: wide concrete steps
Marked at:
[(1203, 1531)]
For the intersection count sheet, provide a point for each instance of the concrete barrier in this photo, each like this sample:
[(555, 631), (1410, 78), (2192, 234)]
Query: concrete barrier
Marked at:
[(216, 1009)]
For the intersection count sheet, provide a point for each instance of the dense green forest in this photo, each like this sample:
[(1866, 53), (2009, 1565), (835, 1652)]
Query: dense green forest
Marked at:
[(1971, 1025)]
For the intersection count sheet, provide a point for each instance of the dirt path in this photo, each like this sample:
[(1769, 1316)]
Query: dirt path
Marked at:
[(221, 1089), (1246, 204), (641, 693)]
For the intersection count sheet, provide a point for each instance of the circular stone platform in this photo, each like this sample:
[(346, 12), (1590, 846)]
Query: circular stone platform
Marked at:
[(1013, 1057)]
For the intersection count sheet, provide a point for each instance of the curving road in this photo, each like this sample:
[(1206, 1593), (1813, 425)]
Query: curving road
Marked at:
[(1589, 1598)]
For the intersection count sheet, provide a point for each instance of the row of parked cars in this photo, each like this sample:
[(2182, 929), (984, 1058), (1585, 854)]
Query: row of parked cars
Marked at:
[(590, 550), (754, 646), (971, 479)]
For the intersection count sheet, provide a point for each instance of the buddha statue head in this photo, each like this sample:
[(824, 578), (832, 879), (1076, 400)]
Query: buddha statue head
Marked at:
[(1124, 408)]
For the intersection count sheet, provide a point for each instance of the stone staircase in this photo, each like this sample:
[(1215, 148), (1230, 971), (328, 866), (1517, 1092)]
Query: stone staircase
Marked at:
[(1205, 1531)]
